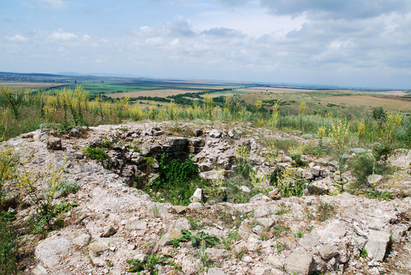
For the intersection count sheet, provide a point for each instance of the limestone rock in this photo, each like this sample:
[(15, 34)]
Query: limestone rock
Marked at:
[(215, 271), (214, 133), (274, 194), (288, 241), (374, 179), (197, 196), (259, 198), (180, 209), (39, 270), (274, 261), (244, 232), (108, 231), (245, 189), (98, 247), (82, 240), (180, 224), (266, 222), (377, 244), (49, 250), (300, 262), (318, 187), (136, 224), (328, 251), (309, 241), (167, 239), (215, 254)]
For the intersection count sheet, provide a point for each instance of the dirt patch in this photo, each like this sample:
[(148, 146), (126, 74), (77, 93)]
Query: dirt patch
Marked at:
[(397, 103)]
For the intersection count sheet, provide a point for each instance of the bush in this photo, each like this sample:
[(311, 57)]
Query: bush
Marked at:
[(68, 187), (379, 114), (381, 151), (177, 180), (8, 244), (361, 166), (95, 153)]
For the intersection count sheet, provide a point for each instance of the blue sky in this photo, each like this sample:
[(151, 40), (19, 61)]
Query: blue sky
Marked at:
[(360, 43)]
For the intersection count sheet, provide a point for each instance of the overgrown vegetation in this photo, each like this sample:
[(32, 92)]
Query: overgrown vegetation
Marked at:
[(177, 180), (8, 239)]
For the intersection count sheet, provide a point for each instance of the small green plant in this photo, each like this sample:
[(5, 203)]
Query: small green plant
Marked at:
[(148, 265), (283, 210), (279, 247), (67, 187), (299, 234), (106, 142), (176, 266), (280, 229), (200, 238), (264, 238), (194, 224), (241, 252), (95, 153), (134, 148), (176, 242), (325, 211), (364, 253), (232, 237), (204, 257)]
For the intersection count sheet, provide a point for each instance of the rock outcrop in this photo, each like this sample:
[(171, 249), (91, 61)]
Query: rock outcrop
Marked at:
[(115, 222)]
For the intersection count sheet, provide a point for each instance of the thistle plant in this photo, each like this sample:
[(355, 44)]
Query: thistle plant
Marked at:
[(208, 105), (260, 180), (41, 188), (339, 134), (361, 130), (391, 125), (275, 115), (321, 132), (301, 111), (289, 183)]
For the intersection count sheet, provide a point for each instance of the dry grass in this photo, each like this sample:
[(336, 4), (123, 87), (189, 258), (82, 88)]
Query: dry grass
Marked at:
[(397, 103)]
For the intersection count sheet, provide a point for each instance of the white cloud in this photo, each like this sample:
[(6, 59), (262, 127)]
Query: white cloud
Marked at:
[(253, 21), (86, 38), (155, 41), (17, 38), (63, 36)]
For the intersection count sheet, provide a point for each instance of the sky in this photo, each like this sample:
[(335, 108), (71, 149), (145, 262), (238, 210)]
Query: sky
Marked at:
[(354, 43)]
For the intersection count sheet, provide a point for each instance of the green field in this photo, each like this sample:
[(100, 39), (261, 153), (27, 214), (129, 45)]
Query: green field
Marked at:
[(113, 87)]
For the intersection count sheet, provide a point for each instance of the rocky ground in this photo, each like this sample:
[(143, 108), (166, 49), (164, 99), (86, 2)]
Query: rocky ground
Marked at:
[(313, 234)]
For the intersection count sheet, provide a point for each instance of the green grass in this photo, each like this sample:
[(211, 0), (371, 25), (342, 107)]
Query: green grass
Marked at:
[(113, 87)]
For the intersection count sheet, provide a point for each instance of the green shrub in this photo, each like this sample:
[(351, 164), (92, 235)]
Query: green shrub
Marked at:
[(177, 180), (382, 151), (149, 265), (95, 153), (379, 114), (363, 165), (8, 244), (67, 187)]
